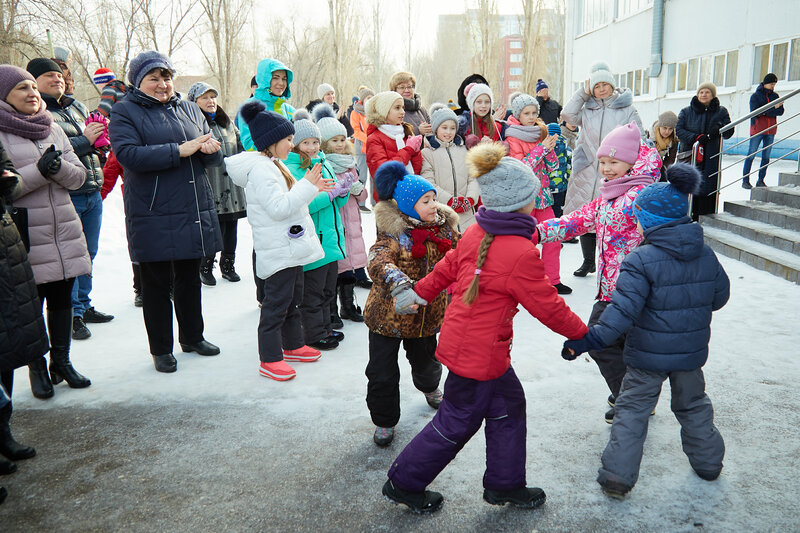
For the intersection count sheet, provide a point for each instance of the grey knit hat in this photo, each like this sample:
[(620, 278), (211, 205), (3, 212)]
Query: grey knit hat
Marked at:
[(519, 101), (323, 89), (143, 63), (601, 72), (506, 183), (325, 117), (441, 113), (305, 129), (198, 89), (667, 119)]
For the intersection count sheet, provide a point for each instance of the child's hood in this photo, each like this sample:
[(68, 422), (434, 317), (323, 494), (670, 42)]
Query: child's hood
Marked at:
[(680, 238), (264, 76), (648, 162), (240, 165)]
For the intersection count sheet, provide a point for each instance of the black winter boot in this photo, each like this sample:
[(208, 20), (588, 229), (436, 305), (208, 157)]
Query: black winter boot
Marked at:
[(207, 271), (349, 309), (8, 446), (226, 262), (59, 325), (41, 386), (336, 320), (420, 502), (588, 244)]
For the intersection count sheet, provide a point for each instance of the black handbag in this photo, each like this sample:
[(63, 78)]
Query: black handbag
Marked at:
[(20, 217)]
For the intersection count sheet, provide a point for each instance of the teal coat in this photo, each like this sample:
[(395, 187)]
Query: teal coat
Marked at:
[(324, 213), (279, 104)]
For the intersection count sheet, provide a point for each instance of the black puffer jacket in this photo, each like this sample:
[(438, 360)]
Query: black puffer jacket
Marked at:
[(549, 110), (695, 120), (22, 333), (71, 115)]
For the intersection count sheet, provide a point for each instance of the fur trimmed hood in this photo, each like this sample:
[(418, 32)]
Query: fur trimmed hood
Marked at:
[(390, 220)]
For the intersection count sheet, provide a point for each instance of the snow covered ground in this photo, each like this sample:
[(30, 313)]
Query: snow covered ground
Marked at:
[(215, 446)]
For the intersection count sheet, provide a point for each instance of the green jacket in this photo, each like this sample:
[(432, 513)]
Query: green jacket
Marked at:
[(279, 104), (324, 213)]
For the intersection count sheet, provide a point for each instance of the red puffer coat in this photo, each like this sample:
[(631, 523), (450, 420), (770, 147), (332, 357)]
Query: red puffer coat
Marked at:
[(475, 340), (382, 148)]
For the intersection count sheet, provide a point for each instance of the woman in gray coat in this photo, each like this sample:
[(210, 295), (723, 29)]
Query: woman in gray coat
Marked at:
[(229, 198), (597, 109)]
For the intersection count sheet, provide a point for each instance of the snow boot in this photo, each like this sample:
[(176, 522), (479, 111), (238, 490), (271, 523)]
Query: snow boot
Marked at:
[(525, 497), (434, 398), (588, 244), (562, 289), (614, 489), (336, 320), (41, 386), (59, 325), (226, 266), (420, 502), (349, 310), (207, 271), (383, 436)]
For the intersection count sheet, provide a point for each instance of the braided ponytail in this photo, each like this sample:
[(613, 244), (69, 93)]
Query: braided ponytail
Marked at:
[(472, 292)]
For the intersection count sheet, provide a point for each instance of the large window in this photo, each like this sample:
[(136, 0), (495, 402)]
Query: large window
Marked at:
[(595, 13), (689, 74), (782, 59), (635, 80), (794, 60), (515, 58), (515, 71), (629, 7)]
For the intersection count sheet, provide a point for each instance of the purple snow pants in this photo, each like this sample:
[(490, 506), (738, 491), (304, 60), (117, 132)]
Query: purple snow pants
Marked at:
[(467, 402)]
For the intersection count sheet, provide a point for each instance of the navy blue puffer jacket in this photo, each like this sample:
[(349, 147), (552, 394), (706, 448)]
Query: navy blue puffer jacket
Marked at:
[(666, 291), (169, 207)]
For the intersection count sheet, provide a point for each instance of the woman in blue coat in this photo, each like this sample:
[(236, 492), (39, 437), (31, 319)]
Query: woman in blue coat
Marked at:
[(165, 144)]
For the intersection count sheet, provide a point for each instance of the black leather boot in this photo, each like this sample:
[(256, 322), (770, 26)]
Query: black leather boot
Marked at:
[(207, 271), (349, 310), (8, 446), (336, 320), (588, 244), (226, 263), (41, 386), (59, 325)]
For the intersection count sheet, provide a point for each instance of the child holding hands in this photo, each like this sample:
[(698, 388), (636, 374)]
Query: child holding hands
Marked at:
[(283, 236)]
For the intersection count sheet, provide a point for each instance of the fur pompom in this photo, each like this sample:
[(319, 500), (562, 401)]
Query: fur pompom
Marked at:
[(322, 110), (685, 178), (485, 157), (301, 114), (386, 178), (250, 109), (436, 107)]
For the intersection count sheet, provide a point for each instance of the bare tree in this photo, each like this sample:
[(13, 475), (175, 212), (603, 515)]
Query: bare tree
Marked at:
[(486, 34), (542, 21), (16, 42), (173, 21)]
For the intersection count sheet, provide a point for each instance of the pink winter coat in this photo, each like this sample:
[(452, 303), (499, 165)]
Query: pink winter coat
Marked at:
[(613, 222), (355, 249), (533, 155), (58, 247)]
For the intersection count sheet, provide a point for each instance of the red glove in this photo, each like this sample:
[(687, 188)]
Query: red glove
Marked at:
[(414, 143), (459, 204)]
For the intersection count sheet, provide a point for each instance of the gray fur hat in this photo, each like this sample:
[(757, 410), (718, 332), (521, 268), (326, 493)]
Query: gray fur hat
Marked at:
[(198, 89), (441, 113), (506, 183), (519, 101), (325, 117), (304, 129)]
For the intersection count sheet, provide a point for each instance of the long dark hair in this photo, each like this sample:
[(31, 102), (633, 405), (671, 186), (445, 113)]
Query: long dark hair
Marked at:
[(221, 118)]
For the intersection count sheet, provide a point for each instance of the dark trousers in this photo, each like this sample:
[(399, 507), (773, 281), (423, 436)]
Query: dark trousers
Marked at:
[(558, 203), (7, 381), (280, 326), (702, 443), (383, 374), (703, 205), (466, 404), (157, 307), (57, 294), (319, 291), (608, 359), (137, 277), (259, 282), (229, 228)]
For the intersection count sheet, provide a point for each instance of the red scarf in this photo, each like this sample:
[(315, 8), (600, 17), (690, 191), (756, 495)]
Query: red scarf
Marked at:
[(421, 235)]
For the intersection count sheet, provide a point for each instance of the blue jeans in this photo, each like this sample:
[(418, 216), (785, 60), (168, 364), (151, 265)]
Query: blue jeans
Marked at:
[(89, 207), (755, 141)]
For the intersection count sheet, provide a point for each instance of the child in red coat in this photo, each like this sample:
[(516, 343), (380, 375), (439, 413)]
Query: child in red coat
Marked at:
[(495, 267), (388, 137)]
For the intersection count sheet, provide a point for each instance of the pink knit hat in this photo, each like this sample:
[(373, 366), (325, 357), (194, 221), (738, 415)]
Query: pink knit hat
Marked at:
[(622, 144)]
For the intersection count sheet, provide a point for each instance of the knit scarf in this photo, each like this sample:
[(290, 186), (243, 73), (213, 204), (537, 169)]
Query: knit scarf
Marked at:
[(398, 134), (341, 162), (499, 223), (527, 134), (419, 236), (612, 189), (358, 107), (34, 127)]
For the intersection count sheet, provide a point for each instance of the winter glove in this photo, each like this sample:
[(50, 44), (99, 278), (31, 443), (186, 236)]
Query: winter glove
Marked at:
[(8, 182), (702, 139), (713, 131), (356, 188), (404, 298), (102, 141), (414, 143), (590, 341), (50, 162)]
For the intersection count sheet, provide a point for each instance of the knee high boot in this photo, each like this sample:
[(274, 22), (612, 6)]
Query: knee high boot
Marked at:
[(41, 386), (336, 320), (59, 325), (349, 310), (8, 446), (588, 245)]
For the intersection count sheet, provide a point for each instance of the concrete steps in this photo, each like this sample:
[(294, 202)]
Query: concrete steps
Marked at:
[(764, 231)]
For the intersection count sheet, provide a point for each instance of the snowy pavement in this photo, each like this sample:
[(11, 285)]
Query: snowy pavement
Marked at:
[(217, 447)]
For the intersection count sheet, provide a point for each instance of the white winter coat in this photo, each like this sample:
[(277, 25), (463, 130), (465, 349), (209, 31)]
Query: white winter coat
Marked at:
[(272, 209), (596, 119)]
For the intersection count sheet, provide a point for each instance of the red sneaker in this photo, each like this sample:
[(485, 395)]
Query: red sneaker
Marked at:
[(304, 354), (279, 371)]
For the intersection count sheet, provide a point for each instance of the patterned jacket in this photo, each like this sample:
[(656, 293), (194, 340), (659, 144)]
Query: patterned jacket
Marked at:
[(391, 264)]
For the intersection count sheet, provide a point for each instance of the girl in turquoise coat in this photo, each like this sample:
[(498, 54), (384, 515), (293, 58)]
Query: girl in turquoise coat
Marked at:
[(319, 288), (274, 90)]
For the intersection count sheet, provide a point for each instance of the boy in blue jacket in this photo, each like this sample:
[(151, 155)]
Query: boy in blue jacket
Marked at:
[(667, 289)]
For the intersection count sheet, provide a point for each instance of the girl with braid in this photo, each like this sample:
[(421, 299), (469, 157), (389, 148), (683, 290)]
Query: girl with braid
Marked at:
[(495, 267)]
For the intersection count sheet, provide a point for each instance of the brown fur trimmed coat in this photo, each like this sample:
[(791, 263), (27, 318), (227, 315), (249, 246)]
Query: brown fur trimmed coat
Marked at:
[(391, 264)]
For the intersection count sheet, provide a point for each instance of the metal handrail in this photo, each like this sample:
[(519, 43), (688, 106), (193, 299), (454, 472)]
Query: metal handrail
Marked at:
[(758, 111), (747, 139)]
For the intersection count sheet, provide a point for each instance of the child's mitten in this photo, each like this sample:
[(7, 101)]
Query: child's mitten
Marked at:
[(573, 349)]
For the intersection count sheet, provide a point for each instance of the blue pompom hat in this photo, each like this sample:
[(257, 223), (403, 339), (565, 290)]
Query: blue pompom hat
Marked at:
[(662, 202), (393, 181)]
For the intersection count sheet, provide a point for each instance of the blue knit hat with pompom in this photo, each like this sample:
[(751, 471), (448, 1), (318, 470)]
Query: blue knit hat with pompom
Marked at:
[(661, 202), (266, 127), (394, 181)]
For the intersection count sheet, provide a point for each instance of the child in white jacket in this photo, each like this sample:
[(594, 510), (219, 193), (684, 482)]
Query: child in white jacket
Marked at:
[(284, 236)]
